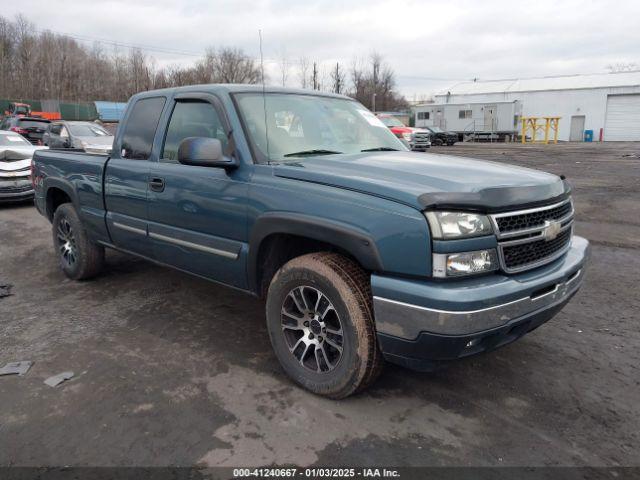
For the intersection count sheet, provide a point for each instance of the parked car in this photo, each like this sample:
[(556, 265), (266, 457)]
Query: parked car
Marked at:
[(15, 167), (32, 128), (416, 138), (362, 250), (441, 137), (87, 136)]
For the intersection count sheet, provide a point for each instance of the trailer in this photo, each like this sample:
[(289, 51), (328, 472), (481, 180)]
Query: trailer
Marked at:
[(482, 121)]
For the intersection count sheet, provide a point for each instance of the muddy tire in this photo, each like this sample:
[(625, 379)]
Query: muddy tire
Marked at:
[(320, 321), (79, 258)]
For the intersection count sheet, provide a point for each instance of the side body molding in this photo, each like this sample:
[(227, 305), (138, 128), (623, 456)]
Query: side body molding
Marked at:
[(357, 242)]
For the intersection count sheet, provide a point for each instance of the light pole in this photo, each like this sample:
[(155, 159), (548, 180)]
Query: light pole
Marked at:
[(373, 102)]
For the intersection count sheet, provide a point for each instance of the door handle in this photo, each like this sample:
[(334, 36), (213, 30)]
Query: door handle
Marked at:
[(157, 184)]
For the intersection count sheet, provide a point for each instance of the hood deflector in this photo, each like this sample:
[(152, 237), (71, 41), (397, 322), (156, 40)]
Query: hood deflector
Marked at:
[(497, 199)]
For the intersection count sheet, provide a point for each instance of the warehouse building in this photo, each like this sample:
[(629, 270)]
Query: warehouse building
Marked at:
[(605, 105)]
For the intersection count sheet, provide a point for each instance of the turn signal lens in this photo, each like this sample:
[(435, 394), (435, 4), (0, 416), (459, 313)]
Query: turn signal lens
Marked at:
[(465, 263)]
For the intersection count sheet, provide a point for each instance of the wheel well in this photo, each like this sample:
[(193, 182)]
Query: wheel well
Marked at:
[(55, 198), (278, 248)]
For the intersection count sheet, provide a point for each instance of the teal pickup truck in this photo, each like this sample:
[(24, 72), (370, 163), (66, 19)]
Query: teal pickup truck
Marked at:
[(363, 250)]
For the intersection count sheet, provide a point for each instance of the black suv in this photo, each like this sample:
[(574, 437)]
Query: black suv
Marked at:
[(440, 137), (31, 128)]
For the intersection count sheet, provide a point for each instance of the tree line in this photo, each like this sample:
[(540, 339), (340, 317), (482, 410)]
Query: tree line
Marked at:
[(46, 65)]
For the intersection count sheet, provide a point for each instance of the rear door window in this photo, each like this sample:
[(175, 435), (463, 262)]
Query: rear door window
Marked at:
[(137, 140)]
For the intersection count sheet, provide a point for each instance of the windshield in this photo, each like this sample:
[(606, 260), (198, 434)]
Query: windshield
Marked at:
[(391, 122), (435, 129), (12, 140), (87, 130), (299, 125)]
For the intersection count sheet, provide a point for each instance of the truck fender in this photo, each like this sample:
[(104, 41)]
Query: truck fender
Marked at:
[(61, 184), (347, 237)]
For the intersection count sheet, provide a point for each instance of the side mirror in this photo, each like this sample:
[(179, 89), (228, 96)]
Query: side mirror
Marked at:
[(204, 152)]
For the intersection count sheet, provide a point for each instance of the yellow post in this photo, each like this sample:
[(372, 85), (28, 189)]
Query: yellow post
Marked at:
[(547, 124), (536, 124)]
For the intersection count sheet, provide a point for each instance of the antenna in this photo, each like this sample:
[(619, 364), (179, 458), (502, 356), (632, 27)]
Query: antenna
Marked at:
[(264, 97)]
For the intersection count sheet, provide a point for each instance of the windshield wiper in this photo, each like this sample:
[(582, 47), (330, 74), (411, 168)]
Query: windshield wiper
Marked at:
[(380, 149), (316, 151)]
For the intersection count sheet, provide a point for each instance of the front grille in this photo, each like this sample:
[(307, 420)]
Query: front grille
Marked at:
[(14, 189), (516, 256), (421, 137), (532, 219), (524, 237)]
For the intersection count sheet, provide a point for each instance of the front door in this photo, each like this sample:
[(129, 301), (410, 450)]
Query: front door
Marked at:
[(197, 215), (577, 129), (490, 118)]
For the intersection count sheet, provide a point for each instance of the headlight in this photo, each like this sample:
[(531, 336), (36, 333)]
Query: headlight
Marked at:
[(447, 225), (407, 136), (465, 263)]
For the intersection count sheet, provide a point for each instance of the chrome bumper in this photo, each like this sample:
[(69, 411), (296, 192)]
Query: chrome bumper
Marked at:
[(408, 320)]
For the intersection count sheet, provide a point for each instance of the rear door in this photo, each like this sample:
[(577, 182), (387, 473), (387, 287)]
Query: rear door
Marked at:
[(127, 177), (197, 215)]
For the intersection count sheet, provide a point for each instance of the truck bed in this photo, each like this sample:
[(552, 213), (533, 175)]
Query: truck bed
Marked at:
[(81, 176)]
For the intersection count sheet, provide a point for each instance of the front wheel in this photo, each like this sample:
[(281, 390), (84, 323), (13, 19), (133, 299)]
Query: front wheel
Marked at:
[(79, 257), (320, 322)]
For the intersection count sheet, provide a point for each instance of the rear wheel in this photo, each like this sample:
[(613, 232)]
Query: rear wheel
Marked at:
[(321, 326), (79, 257)]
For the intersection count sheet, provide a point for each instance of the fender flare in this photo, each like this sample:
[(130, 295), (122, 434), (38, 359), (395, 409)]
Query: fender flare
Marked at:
[(354, 241), (60, 184)]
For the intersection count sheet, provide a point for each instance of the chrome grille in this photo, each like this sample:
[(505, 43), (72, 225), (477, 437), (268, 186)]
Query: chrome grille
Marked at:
[(533, 219), (521, 254), (530, 238)]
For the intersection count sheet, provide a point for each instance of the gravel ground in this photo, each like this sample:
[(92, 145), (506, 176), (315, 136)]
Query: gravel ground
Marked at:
[(173, 370)]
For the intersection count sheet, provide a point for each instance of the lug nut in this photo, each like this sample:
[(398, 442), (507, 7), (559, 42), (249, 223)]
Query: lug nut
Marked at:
[(306, 324), (311, 336)]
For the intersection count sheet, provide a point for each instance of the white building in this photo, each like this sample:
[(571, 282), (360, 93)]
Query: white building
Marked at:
[(607, 104)]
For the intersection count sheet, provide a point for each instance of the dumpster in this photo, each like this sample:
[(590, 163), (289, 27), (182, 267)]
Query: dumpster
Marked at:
[(588, 135)]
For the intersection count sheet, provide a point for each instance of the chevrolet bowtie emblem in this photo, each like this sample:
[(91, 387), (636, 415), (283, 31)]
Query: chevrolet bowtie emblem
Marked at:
[(551, 229)]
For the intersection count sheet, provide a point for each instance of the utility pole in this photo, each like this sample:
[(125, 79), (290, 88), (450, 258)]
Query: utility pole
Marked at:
[(373, 102)]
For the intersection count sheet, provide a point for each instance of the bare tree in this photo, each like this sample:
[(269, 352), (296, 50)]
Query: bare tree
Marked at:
[(315, 77), (283, 63), (337, 79), (303, 71), (47, 65), (232, 65)]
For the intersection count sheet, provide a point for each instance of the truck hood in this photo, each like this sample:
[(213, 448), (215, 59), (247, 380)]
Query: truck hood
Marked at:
[(430, 180)]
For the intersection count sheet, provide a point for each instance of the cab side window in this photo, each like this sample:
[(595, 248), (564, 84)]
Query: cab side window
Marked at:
[(191, 119), (141, 126)]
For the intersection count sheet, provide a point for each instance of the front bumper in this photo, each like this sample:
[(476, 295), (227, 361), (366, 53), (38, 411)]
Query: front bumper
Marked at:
[(15, 190), (420, 145), (422, 324)]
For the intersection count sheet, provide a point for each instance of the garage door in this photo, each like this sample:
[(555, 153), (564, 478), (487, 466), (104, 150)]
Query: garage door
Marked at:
[(623, 118)]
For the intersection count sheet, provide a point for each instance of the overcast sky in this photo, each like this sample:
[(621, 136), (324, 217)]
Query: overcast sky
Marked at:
[(430, 45)]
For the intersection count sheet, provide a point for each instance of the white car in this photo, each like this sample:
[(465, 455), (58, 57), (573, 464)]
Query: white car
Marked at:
[(15, 167)]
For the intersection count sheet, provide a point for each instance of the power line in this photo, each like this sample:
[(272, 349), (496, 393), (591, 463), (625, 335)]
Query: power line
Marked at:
[(151, 48)]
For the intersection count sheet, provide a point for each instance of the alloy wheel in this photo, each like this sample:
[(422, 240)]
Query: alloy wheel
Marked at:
[(312, 329), (66, 243)]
